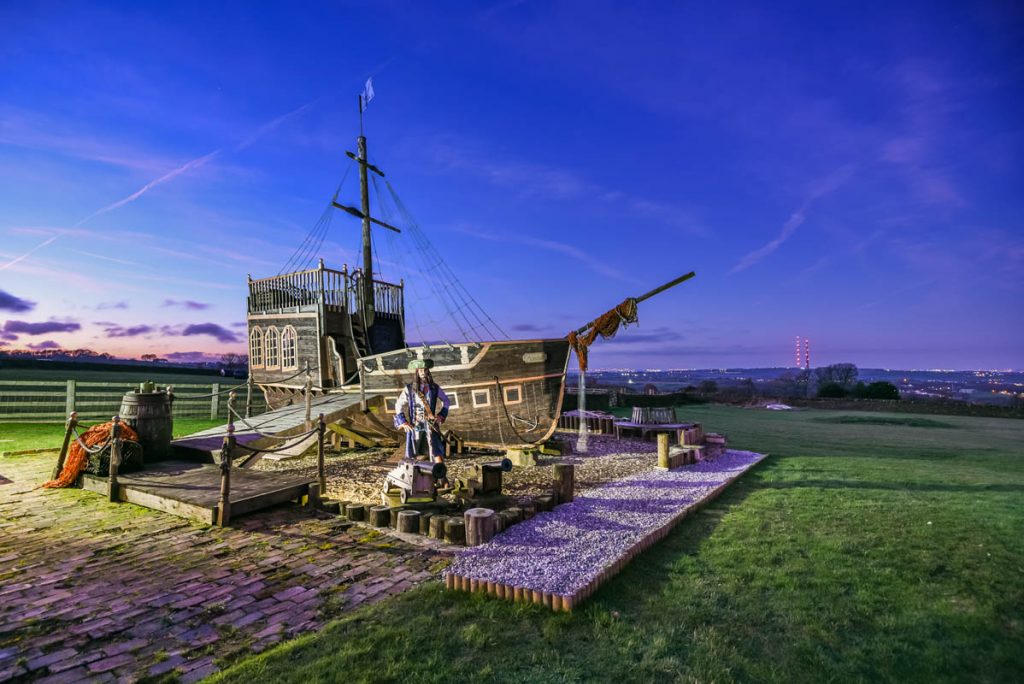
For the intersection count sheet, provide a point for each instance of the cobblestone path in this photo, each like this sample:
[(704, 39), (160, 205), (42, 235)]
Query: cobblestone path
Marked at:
[(91, 590)]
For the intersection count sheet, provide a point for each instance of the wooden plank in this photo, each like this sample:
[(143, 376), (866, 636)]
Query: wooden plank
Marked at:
[(352, 435)]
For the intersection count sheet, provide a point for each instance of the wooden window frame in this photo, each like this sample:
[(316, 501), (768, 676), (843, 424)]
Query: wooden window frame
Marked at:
[(504, 391), (295, 338), (256, 360), (276, 347), (476, 404), (453, 400), (391, 404)]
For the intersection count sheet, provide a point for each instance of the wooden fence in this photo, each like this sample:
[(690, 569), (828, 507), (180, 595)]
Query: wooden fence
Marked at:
[(45, 401)]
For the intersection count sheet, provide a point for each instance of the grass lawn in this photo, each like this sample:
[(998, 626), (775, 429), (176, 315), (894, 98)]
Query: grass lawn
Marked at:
[(862, 550), (22, 436)]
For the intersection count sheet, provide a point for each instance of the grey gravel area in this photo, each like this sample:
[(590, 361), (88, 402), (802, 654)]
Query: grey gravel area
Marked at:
[(563, 550)]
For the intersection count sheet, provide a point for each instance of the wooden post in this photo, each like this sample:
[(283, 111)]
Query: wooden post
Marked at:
[(663, 450), (115, 458), (69, 397), (437, 526), (231, 406), (380, 516), (321, 428), (409, 521), (455, 531), (309, 397), (69, 430), (480, 526), (248, 396), (215, 401), (425, 517), (565, 481), (226, 454), (355, 512)]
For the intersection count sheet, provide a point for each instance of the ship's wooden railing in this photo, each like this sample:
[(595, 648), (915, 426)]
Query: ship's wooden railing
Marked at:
[(337, 290)]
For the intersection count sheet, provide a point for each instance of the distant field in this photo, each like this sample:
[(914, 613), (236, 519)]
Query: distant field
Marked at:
[(862, 550), (129, 377)]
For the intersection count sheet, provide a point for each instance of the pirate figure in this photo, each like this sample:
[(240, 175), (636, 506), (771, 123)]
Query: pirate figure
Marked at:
[(420, 410)]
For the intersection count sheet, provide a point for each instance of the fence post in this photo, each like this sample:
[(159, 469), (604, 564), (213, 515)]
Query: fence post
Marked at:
[(321, 427), (69, 398), (309, 396), (68, 431), (215, 402), (115, 458), (248, 396), (224, 507)]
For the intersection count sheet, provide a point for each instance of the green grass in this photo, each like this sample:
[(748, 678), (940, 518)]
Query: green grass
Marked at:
[(908, 421), (857, 552), (23, 436), (129, 377)]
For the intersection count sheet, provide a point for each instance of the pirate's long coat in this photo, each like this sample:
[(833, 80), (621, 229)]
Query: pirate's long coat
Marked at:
[(409, 410)]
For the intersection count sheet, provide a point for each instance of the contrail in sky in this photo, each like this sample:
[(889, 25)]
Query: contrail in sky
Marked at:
[(170, 175)]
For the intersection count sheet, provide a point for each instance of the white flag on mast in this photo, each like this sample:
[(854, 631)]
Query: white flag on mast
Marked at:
[(367, 95)]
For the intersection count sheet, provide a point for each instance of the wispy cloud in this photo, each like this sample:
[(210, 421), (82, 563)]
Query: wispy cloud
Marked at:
[(551, 245), (824, 186), (186, 304), (543, 181), (165, 178)]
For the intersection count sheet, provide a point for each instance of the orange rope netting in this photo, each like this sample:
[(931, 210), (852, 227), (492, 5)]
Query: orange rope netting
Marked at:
[(78, 458), (606, 325)]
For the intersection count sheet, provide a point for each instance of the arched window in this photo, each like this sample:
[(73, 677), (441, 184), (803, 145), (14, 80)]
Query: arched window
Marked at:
[(256, 347), (273, 347), (289, 348)]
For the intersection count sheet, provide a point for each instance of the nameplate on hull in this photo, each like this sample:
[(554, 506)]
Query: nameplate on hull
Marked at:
[(535, 357)]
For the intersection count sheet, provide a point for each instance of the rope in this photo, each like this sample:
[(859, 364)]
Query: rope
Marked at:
[(501, 395), (298, 439)]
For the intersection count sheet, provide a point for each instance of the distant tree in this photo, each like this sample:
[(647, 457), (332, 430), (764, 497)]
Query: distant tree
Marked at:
[(707, 387), (881, 390), (831, 390), (233, 360), (149, 357), (842, 374), (748, 387)]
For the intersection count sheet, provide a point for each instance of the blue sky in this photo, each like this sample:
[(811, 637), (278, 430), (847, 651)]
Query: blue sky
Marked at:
[(846, 172)]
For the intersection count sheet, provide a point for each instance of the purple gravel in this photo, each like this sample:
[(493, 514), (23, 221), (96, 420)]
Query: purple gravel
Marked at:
[(563, 550)]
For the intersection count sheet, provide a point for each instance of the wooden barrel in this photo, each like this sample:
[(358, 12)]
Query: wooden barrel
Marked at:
[(149, 414)]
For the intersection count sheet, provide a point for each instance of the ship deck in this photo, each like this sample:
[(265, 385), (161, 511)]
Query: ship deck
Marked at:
[(192, 490)]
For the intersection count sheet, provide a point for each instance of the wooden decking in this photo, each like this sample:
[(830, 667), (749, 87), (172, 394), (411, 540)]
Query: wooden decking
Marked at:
[(192, 490)]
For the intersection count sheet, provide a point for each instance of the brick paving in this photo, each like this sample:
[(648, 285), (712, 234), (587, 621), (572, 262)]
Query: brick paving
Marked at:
[(91, 590)]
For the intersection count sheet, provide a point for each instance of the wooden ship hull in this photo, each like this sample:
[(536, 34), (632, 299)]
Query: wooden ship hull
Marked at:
[(504, 392)]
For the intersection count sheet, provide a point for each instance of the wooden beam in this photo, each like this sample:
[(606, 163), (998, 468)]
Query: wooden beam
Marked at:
[(353, 157), (352, 435), (358, 214)]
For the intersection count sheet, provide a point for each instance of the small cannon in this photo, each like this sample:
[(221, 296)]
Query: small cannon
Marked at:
[(413, 481), (482, 480)]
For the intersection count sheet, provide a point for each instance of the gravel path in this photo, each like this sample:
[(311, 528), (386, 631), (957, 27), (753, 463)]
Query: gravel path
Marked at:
[(564, 550), (358, 474)]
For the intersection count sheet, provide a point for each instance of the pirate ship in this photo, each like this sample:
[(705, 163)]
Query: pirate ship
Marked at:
[(320, 330)]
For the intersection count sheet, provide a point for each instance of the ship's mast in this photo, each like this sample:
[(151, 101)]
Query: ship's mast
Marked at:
[(364, 190), (363, 213)]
